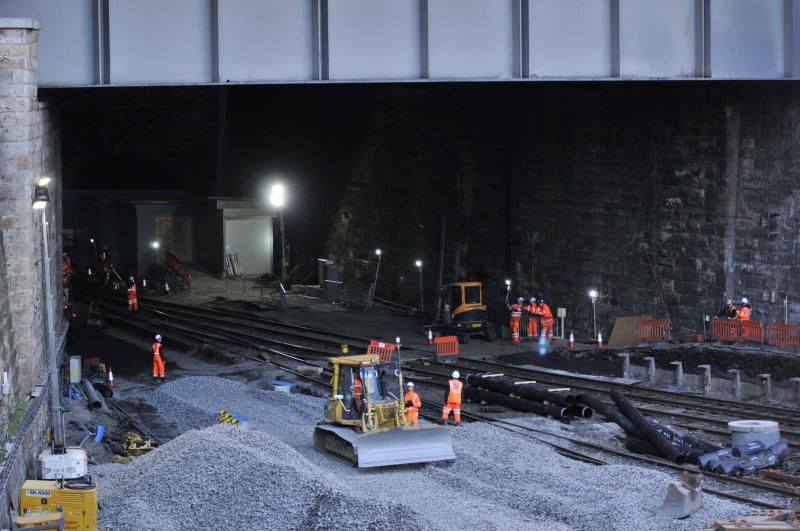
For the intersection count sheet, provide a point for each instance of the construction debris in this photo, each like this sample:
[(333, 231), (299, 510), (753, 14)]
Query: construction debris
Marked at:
[(684, 496), (759, 521)]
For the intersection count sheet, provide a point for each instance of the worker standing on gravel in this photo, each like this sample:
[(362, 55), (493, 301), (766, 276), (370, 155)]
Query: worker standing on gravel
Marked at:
[(744, 312), (516, 316), (452, 399), (413, 403), (158, 361), (133, 302)]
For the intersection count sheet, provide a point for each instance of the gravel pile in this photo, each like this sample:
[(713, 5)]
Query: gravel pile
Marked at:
[(500, 480), (224, 478)]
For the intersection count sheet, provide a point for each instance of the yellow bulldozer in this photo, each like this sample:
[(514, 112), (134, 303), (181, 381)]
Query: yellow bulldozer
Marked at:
[(366, 423)]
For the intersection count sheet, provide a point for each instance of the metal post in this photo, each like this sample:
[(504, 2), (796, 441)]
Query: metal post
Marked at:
[(55, 394), (421, 293), (786, 310), (766, 381), (594, 315), (440, 275), (651, 369), (283, 251), (375, 283), (706, 378), (796, 383), (626, 364), (737, 383), (678, 373)]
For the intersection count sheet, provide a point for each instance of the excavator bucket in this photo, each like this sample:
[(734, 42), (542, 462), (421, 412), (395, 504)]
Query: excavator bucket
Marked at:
[(400, 446)]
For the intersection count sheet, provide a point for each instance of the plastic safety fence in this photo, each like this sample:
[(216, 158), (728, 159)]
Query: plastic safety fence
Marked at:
[(783, 335), (446, 347), (385, 351), (752, 331), (735, 330), (651, 330)]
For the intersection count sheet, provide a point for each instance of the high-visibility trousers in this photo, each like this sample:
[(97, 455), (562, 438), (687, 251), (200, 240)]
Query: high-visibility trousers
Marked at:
[(455, 408), (133, 304), (547, 325), (514, 325), (158, 366), (413, 414), (533, 327)]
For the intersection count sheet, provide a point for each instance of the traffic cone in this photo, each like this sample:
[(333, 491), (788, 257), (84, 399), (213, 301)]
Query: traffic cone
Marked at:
[(110, 378), (430, 336), (144, 284), (599, 339), (571, 340)]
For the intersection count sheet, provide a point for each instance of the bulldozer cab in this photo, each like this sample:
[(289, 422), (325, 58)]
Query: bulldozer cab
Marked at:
[(377, 384)]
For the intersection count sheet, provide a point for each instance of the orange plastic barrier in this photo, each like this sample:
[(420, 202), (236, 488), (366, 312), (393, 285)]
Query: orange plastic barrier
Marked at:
[(783, 335), (752, 331), (654, 330), (726, 329), (385, 351), (446, 347)]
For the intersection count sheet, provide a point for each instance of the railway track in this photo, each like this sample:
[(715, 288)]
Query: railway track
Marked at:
[(198, 330)]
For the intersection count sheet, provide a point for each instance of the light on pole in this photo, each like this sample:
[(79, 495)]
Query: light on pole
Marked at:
[(418, 263), (593, 295), (378, 253), (94, 248), (277, 197), (41, 197), (508, 289), (155, 245)]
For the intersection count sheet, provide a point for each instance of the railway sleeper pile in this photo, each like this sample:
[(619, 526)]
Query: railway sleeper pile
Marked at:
[(530, 397)]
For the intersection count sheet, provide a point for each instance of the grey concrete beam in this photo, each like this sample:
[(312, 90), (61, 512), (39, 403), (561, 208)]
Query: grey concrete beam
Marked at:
[(424, 50), (214, 5), (319, 32), (615, 70), (521, 37), (101, 42)]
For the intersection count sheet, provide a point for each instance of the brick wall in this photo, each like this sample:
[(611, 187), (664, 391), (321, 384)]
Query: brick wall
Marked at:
[(29, 149), (640, 190)]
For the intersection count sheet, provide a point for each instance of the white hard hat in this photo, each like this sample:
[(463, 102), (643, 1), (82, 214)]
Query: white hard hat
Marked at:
[(745, 301), (520, 300), (456, 375), (730, 301), (158, 337), (131, 279), (532, 299), (410, 385)]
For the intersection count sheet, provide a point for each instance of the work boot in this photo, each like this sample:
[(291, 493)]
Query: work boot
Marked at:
[(458, 424), (155, 380)]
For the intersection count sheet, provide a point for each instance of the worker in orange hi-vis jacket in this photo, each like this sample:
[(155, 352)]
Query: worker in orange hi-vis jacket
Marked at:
[(133, 302), (516, 316), (413, 403), (452, 399), (158, 361), (547, 318)]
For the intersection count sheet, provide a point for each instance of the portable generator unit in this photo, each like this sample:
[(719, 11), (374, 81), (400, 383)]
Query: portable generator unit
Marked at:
[(76, 500)]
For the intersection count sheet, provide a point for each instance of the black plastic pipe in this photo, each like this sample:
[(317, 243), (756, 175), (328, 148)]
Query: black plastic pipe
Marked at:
[(610, 413), (536, 392), (519, 404), (667, 449), (92, 397)]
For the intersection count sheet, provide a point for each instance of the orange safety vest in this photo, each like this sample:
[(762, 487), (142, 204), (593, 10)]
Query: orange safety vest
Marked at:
[(545, 311), (454, 397), (156, 349), (744, 313), (413, 397), (132, 293), (532, 309), (516, 310), (358, 387)]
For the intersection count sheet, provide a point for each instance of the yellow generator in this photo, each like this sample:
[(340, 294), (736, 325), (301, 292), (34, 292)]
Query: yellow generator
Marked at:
[(76, 499)]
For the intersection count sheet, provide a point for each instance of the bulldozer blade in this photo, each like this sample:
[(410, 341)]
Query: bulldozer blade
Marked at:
[(422, 444)]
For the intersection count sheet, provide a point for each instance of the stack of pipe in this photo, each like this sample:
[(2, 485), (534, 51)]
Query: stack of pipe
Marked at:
[(526, 396), (745, 459)]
